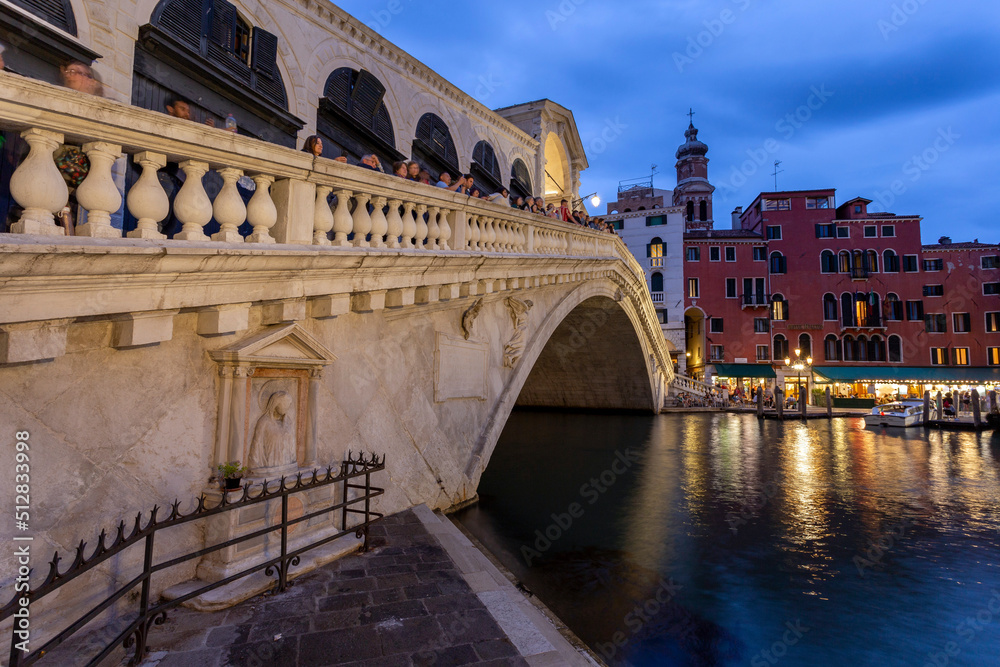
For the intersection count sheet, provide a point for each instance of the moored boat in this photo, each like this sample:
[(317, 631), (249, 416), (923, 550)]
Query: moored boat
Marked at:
[(899, 414)]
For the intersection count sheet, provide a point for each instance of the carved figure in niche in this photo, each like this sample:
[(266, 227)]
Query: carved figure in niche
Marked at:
[(469, 318), (514, 348), (273, 443)]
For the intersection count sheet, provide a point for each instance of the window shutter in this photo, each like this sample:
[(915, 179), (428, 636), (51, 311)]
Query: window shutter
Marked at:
[(223, 30), (55, 12), (183, 19), (264, 56), (649, 250), (366, 97)]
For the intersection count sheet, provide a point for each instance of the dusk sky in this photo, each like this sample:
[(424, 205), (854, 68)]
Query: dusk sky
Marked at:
[(888, 81)]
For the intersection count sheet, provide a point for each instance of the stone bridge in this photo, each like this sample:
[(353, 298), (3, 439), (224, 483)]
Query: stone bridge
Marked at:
[(365, 312)]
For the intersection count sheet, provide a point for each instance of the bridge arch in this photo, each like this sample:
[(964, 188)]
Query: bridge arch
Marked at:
[(573, 341)]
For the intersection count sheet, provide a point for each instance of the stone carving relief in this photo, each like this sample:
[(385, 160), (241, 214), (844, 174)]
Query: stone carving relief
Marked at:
[(273, 443), (514, 348), (469, 318)]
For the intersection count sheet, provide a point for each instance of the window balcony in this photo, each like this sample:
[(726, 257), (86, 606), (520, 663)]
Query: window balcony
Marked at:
[(755, 300), (655, 262), (859, 273), (657, 297)]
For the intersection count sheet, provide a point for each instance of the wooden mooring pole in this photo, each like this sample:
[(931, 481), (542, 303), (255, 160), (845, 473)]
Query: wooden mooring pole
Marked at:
[(779, 402), (927, 407), (977, 415), (829, 404)]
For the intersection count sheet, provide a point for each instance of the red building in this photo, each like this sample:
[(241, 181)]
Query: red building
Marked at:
[(852, 290)]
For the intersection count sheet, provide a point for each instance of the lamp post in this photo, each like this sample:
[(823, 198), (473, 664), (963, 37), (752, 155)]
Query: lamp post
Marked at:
[(595, 201), (799, 365)]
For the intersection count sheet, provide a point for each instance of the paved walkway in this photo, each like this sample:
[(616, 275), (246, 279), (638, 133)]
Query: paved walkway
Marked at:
[(422, 596)]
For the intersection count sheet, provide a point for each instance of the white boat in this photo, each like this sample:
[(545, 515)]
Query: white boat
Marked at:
[(901, 413)]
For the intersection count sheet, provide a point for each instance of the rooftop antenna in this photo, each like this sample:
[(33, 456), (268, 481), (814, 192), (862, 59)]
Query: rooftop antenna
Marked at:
[(653, 172), (776, 172)]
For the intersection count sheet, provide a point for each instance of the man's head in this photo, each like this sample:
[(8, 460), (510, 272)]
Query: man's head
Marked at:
[(178, 108), (563, 203), (370, 160), (468, 180), (445, 178)]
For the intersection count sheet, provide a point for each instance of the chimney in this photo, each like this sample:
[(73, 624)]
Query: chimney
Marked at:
[(945, 240), (736, 217)]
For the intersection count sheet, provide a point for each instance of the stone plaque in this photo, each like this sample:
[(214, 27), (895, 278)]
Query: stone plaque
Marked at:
[(459, 369)]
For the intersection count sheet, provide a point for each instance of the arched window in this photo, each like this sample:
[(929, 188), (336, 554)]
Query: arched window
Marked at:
[(690, 211), (872, 263), (830, 307), (831, 348), (433, 146), (656, 281), (520, 180), (847, 313), (353, 119), (778, 263), (890, 261), (641, 208), (780, 347), (895, 349), (703, 211), (655, 252), (893, 308), (850, 349), (828, 262), (862, 348), (874, 315), (845, 261), (779, 307), (876, 349), (485, 168), (805, 345)]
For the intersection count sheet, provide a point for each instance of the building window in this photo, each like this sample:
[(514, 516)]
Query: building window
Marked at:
[(730, 254), (857, 208), (777, 204), (889, 231), (871, 231), (991, 288), (689, 210), (893, 308), (731, 288), (828, 262), (703, 211), (718, 353), (761, 325), (933, 264), (876, 349), (817, 202), (825, 231), (774, 232), (656, 282), (914, 311), (910, 263), (990, 262), (936, 323), (656, 221), (890, 261), (960, 356), (778, 263), (779, 307), (895, 350), (961, 322), (694, 254), (992, 322), (829, 307), (933, 290), (759, 254), (843, 232), (714, 254), (844, 261), (780, 347), (617, 224), (654, 251), (762, 353), (661, 315), (850, 349), (831, 348), (715, 325), (693, 292), (939, 356), (993, 356)]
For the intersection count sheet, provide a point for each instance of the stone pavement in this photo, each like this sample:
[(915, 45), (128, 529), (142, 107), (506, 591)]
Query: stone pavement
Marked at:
[(407, 602)]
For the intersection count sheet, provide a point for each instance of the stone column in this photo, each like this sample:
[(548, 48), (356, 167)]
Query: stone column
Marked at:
[(192, 205), (409, 225), (237, 414), (342, 222), (38, 187), (379, 223), (146, 200), (315, 376), (421, 235), (225, 422), (322, 216), (362, 220), (394, 224), (261, 212), (444, 233), (228, 208), (98, 193), (433, 229)]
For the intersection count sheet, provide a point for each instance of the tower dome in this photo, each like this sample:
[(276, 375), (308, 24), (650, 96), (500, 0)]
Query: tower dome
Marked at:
[(692, 147)]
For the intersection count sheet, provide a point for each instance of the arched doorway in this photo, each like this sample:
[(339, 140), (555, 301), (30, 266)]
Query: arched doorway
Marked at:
[(434, 148), (520, 180), (353, 120), (557, 170)]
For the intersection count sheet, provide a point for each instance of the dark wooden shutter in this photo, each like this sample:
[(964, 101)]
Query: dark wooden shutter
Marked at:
[(184, 20), (54, 12), (264, 54), (338, 87), (223, 30), (366, 97)]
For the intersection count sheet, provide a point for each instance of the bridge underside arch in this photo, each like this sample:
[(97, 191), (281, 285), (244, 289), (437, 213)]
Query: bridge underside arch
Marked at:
[(593, 359)]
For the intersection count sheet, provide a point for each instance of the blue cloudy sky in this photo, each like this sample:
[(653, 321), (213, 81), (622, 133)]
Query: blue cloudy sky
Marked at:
[(905, 94)]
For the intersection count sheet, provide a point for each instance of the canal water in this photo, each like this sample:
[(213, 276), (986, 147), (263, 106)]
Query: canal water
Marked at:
[(718, 539)]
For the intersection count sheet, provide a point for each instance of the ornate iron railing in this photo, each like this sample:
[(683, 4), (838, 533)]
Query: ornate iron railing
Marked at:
[(135, 634)]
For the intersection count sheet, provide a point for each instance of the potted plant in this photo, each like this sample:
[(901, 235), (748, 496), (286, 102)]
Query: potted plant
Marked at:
[(231, 474)]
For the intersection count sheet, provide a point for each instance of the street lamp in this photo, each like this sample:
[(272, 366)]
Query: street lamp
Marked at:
[(595, 201), (799, 366)]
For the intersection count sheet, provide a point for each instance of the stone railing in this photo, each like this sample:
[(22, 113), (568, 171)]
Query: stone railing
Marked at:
[(691, 386), (371, 212), (290, 202)]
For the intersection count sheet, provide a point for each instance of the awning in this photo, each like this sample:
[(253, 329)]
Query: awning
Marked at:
[(908, 374), (744, 371)]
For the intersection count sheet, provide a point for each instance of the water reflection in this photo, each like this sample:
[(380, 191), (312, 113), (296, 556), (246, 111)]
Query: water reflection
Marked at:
[(880, 542)]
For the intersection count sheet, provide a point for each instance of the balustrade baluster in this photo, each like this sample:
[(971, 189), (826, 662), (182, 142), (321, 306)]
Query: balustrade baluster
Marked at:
[(433, 229), (445, 230), (192, 205), (261, 212), (146, 200), (342, 222), (421, 235), (98, 193), (394, 224), (38, 187), (228, 208), (492, 238), (474, 232), (362, 220), (409, 225), (379, 224), (322, 216)]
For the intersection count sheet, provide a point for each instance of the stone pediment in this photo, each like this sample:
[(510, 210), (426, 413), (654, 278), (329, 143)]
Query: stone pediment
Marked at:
[(287, 345)]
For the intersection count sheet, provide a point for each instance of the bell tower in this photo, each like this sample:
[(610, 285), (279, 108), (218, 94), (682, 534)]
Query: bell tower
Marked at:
[(693, 190)]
